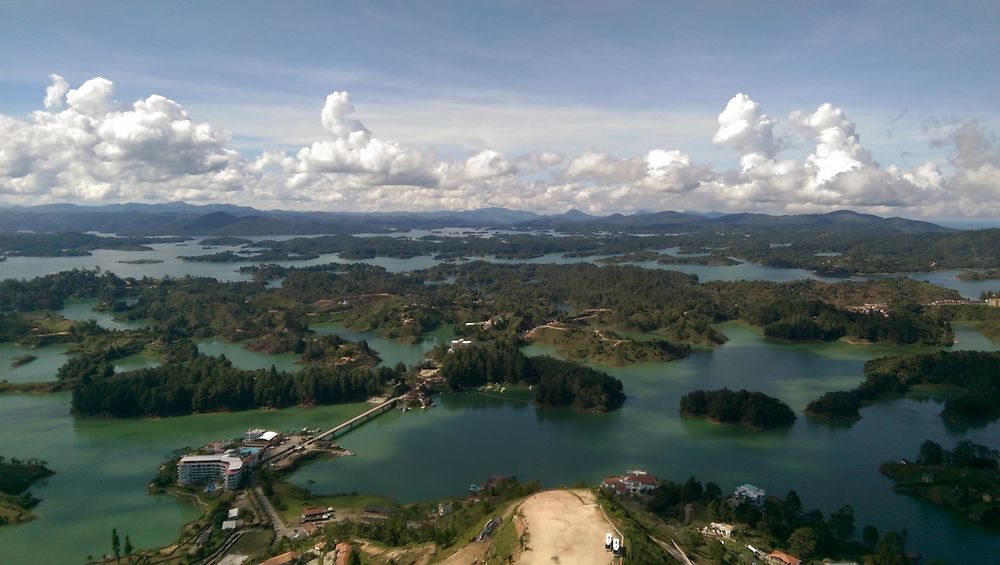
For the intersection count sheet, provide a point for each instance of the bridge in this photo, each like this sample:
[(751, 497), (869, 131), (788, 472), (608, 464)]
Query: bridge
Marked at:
[(355, 421), (347, 425)]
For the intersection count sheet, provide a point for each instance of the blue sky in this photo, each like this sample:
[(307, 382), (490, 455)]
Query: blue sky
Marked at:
[(457, 78)]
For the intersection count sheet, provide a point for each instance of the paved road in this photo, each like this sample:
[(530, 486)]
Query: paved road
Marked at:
[(282, 530)]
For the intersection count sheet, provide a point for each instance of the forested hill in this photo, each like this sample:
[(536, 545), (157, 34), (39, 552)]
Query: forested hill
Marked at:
[(185, 219), (554, 382)]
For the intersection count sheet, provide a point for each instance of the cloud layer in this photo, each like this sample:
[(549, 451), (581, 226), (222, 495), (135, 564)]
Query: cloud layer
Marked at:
[(85, 146)]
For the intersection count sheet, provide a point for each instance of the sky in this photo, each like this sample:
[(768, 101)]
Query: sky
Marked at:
[(772, 106)]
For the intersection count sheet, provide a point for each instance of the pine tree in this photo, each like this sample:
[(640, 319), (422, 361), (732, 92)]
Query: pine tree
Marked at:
[(115, 544)]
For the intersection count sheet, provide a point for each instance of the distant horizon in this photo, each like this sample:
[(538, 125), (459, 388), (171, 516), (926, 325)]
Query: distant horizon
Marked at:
[(955, 223)]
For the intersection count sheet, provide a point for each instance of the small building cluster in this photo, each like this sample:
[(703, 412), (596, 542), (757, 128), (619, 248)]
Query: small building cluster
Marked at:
[(457, 344), (225, 463), (993, 300), (871, 308), (632, 482), (419, 394), (718, 529), (316, 514)]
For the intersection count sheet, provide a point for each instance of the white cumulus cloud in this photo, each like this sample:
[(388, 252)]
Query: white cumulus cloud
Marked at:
[(86, 146)]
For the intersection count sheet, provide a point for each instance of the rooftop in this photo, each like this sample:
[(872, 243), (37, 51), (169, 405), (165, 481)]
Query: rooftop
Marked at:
[(235, 463), (282, 559), (784, 557)]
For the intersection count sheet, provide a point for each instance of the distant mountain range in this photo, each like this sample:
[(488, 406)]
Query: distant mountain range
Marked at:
[(180, 218)]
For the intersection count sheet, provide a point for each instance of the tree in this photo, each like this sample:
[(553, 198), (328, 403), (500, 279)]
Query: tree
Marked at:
[(930, 454), (115, 544), (354, 559), (792, 502), (128, 545), (842, 522), (870, 534), (890, 550), (712, 491), (802, 543)]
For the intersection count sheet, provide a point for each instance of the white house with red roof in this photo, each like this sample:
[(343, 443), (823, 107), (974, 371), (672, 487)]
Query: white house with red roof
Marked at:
[(632, 482)]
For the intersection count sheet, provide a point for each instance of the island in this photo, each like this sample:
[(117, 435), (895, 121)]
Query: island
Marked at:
[(195, 383), (988, 275), (554, 382), (605, 346), (141, 261), (749, 409), (964, 480), (969, 377), (259, 256), (16, 477), (21, 360), (225, 240)]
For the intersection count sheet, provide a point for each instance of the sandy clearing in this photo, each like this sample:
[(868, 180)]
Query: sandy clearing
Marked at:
[(564, 527)]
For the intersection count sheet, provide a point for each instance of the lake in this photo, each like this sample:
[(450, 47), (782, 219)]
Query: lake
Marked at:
[(469, 438), (102, 466), (168, 253)]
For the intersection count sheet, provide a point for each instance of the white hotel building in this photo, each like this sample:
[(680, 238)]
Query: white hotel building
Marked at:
[(226, 467)]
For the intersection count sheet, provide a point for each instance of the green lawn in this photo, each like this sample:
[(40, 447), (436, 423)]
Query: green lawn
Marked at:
[(294, 499)]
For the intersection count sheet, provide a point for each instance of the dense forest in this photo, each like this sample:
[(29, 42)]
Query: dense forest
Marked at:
[(750, 409), (554, 382), (974, 374), (51, 291), (200, 383), (816, 320)]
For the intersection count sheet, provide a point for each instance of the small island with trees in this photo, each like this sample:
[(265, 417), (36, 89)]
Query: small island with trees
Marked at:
[(750, 409), (16, 477), (965, 479)]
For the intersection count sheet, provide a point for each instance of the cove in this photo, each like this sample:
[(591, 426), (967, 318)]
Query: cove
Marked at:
[(102, 468), (438, 452)]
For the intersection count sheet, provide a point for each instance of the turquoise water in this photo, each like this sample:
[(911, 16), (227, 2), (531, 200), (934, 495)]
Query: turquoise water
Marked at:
[(392, 351), (102, 468), (243, 358), (50, 358), (82, 310), (471, 437)]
